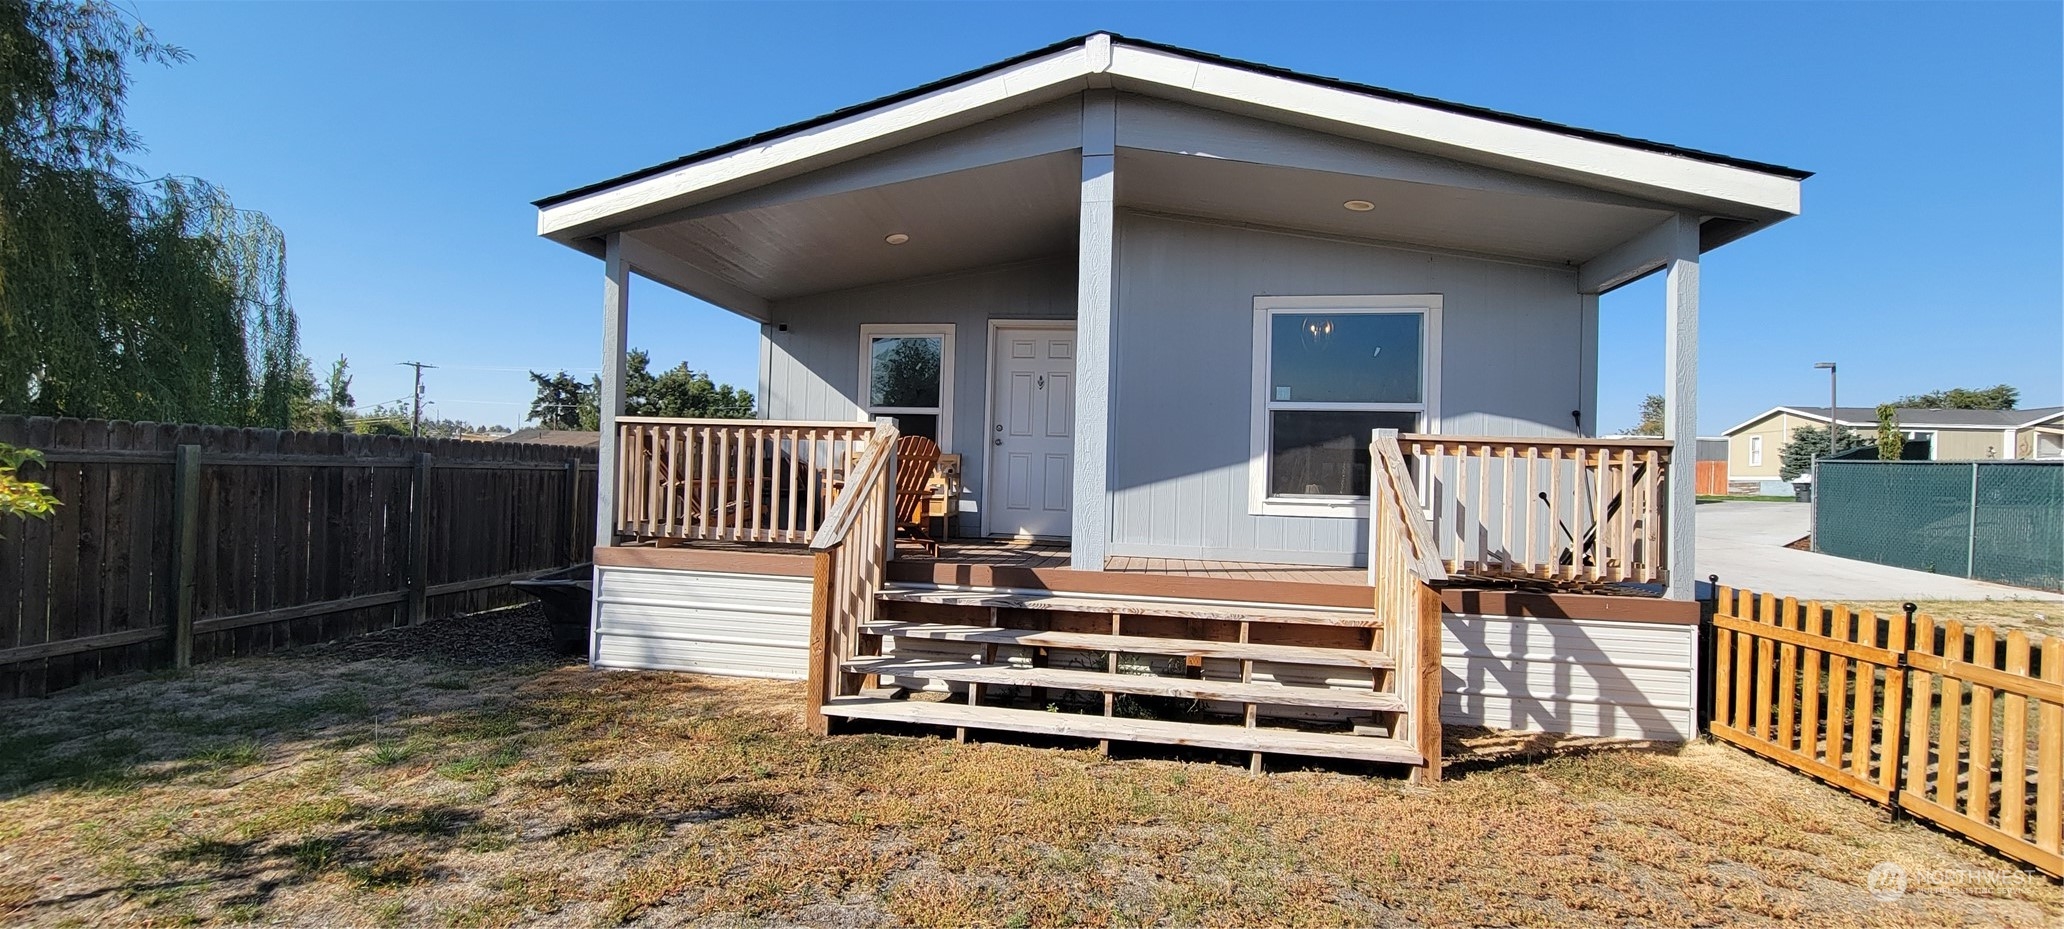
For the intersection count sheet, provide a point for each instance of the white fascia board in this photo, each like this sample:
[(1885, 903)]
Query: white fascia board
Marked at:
[(1766, 414), (590, 213), (1459, 132)]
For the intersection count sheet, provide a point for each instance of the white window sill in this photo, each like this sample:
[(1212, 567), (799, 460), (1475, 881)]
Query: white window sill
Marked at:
[(1342, 508)]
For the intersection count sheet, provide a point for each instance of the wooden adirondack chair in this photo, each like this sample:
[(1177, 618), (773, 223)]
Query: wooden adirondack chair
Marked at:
[(916, 458)]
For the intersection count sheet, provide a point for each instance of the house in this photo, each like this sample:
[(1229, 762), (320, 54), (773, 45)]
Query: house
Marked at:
[(572, 438), (1950, 435), (1275, 393)]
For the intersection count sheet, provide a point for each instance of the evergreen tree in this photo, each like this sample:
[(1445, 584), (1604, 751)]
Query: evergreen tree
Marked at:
[(563, 402), (560, 399), (1811, 442), (1996, 397)]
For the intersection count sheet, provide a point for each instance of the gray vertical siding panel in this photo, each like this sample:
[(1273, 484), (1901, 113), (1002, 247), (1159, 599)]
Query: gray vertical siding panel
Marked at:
[(1513, 340), (817, 361)]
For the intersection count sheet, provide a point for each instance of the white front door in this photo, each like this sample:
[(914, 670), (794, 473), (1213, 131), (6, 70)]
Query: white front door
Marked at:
[(1031, 431)]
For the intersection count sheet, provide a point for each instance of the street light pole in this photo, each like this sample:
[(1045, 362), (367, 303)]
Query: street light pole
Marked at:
[(1834, 416)]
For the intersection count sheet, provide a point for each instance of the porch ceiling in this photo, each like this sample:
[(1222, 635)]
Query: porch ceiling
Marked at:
[(1490, 222), (961, 219)]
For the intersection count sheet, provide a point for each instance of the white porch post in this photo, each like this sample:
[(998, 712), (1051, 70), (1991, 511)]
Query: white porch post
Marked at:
[(1680, 402), (1090, 522), (616, 305)]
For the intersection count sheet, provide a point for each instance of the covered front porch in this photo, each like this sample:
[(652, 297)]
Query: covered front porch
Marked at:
[(1545, 515)]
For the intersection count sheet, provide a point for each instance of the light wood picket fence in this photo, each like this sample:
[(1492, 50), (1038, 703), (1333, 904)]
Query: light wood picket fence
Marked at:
[(1961, 726)]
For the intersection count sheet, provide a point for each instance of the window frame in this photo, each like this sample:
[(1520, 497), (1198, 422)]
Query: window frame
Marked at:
[(1755, 451), (941, 331), (1428, 306)]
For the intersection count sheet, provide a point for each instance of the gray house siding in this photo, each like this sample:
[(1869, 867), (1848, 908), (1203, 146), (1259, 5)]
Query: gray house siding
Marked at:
[(1517, 343), (812, 371)]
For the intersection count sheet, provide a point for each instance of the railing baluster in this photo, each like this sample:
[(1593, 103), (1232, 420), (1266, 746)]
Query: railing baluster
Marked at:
[(1606, 510)]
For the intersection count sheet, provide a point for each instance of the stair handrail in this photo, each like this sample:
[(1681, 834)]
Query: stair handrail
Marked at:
[(851, 552), (1403, 566), (876, 459)]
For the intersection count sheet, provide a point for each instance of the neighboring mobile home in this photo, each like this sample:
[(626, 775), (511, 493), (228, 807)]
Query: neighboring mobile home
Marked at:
[(1261, 390), (1754, 447)]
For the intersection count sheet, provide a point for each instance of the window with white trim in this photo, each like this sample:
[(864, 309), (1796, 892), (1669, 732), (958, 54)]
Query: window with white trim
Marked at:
[(1755, 451), (1328, 371), (906, 371)]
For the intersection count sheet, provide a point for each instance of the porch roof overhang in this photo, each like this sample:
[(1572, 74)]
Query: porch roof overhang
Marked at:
[(803, 208)]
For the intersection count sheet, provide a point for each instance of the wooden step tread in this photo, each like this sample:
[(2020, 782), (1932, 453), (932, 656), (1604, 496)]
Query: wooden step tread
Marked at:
[(1200, 735), (1133, 644), (1137, 606), (972, 672)]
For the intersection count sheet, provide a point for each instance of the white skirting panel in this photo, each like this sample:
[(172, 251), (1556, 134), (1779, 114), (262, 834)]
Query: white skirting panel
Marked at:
[(742, 625), (1631, 680)]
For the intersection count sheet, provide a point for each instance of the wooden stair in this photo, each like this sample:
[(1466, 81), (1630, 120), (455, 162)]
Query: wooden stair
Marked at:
[(1009, 598), (1266, 661), (1233, 738), (1004, 675), (1131, 644)]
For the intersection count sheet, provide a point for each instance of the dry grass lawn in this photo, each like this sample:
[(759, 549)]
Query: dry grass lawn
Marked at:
[(2035, 617), (313, 790)]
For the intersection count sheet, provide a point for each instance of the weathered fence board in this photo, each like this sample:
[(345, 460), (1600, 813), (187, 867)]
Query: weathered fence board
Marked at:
[(1963, 727), (296, 538)]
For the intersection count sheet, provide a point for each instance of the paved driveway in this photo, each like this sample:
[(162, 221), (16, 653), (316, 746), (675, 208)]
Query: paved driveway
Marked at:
[(1744, 544)]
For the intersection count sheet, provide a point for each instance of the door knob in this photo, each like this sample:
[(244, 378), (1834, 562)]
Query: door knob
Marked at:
[(999, 441)]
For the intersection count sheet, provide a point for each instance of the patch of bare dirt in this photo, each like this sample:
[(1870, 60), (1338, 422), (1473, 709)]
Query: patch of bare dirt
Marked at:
[(515, 636)]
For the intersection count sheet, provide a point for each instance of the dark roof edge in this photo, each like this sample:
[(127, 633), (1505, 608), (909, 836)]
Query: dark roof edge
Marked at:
[(1369, 89), (811, 123), (1481, 112)]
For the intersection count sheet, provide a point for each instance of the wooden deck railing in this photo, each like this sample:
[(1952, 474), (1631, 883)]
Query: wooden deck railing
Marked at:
[(1403, 564), (734, 480), (1588, 509), (852, 551)]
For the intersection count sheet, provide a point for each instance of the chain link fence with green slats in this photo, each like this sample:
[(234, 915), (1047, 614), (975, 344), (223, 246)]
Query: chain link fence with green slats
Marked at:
[(1992, 520)]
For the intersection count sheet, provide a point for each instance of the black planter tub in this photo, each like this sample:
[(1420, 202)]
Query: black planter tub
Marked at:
[(568, 598)]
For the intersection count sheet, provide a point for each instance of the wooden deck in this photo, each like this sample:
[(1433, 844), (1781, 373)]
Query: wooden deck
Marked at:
[(1014, 554), (1044, 565)]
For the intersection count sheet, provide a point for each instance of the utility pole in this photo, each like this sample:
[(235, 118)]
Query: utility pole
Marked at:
[(416, 418)]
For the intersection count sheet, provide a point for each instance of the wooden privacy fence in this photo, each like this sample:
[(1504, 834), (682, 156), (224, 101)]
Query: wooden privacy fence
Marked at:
[(184, 543), (1588, 509), (1962, 727), (729, 479)]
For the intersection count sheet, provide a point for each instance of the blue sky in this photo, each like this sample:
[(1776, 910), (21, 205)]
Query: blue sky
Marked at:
[(399, 145)]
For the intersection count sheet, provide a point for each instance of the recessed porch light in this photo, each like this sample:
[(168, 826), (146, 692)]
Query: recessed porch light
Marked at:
[(1359, 206), (896, 238)]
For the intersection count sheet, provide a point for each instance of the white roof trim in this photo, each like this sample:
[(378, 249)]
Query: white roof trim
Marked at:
[(1447, 129), (991, 94), (1766, 414), (586, 214)]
